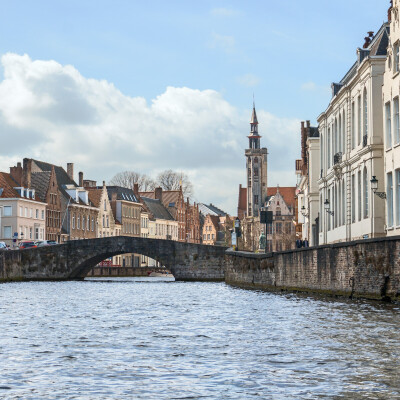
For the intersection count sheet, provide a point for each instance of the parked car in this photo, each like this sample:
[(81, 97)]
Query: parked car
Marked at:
[(27, 245), (46, 243)]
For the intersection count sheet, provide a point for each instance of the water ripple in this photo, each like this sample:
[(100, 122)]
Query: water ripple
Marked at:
[(149, 339)]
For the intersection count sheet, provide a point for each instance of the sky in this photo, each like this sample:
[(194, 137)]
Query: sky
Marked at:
[(153, 85)]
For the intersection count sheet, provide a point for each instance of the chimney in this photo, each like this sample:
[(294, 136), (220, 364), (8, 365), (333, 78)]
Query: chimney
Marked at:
[(80, 179), (70, 170), (104, 183), (308, 124), (136, 189), (158, 194), (368, 39), (16, 173), (27, 173)]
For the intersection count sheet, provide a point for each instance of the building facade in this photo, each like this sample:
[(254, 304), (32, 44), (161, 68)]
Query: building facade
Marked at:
[(308, 169), (351, 141), (22, 216), (390, 186)]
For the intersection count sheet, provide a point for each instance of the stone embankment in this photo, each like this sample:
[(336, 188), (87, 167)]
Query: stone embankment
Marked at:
[(365, 269)]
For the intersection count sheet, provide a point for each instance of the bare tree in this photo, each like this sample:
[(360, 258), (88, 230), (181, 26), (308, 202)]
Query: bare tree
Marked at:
[(171, 180), (129, 178)]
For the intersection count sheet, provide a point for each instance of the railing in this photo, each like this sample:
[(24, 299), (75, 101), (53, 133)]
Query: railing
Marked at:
[(337, 158), (365, 140)]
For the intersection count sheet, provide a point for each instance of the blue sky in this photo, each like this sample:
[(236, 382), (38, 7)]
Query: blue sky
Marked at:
[(286, 53)]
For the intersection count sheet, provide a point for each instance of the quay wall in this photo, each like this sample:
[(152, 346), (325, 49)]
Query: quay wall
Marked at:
[(366, 268)]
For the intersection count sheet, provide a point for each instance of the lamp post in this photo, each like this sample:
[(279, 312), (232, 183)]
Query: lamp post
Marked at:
[(374, 187), (327, 208)]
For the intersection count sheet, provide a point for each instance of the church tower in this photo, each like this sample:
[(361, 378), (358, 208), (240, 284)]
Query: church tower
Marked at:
[(256, 163)]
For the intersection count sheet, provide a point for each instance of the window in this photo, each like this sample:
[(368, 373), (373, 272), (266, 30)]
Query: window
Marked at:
[(78, 225), (388, 125), (365, 103), (42, 214), (255, 199), (353, 198), (396, 128), (359, 119), (340, 134), (329, 148), (278, 227), (359, 194), (365, 187), (37, 214), (7, 211), (36, 233), (105, 205), (322, 153), (396, 57), (30, 233), (343, 203), (83, 223), (7, 232), (21, 212), (397, 197), (92, 224), (344, 133), (389, 195), (30, 213), (256, 172), (353, 130), (73, 221)]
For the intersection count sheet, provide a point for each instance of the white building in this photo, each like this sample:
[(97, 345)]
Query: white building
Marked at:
[(351, 138), (390, 186), (22, 216), (308, 170)]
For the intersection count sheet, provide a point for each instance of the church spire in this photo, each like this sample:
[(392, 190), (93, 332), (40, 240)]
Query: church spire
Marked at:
[(254, 137)]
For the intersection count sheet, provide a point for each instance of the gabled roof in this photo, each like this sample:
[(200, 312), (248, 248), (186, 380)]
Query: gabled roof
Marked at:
[(94, 195), (288, 194), (214, 219), (207, 209), (61, 174), (40, 182), (170, 199), (7, 184), (122, 193), (157, 208)]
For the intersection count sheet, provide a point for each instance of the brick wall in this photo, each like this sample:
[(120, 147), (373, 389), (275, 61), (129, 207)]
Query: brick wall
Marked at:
[(368, 269)]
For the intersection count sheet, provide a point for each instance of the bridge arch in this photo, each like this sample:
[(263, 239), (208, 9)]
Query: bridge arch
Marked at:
[(74, 259)]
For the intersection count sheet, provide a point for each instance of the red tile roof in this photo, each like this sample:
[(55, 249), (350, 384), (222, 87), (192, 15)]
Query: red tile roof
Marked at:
[(288, 194), (8, 184)]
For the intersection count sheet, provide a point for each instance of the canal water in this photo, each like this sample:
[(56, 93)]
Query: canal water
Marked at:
[(154, 339)]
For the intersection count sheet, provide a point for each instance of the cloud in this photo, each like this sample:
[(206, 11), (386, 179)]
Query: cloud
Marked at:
[(225, 43), (249, 80), (313, 87), (51, 112), (224, 12)]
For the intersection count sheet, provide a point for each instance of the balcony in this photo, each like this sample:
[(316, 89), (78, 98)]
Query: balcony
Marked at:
[(337, 158)]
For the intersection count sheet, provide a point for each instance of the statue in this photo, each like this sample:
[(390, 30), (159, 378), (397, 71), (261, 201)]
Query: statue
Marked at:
[(262, 241)]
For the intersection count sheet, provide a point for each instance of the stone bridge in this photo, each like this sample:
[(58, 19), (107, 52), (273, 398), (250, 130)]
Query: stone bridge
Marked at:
[(74, 259)]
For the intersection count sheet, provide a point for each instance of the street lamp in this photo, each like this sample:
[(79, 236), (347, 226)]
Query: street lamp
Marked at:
[(327, 207), (374, 187)]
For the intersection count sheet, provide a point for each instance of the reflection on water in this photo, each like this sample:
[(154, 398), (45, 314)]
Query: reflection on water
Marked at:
[(153, 338)]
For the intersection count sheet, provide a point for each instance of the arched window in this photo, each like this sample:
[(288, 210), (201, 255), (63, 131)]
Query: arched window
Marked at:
[(344, 133), (83, 223), (340, 133), (73, 221), (92, 224), (365, 102), (365, 187), (79, 222)]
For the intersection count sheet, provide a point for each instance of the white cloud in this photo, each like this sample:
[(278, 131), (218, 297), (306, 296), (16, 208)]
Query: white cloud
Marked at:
[(224, 12), (52, 113), (225, 43), (249, 80)]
